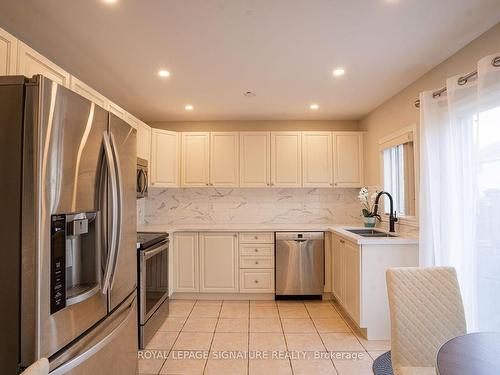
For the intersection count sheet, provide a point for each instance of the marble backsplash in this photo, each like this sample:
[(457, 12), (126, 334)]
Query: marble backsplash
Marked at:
[(249, 206)]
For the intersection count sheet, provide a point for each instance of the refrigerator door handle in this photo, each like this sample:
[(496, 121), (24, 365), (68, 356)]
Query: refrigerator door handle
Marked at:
[(119, 217), (92, 348), (112, 249)]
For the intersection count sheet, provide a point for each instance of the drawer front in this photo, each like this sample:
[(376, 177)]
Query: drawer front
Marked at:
[(256, 281), (256, 262), (257, 249), (256, 237)]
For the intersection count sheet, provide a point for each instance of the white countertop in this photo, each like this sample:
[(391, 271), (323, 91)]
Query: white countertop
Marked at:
[(338, 229)]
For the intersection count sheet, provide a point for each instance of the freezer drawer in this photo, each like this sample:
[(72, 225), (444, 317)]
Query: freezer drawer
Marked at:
[(300, 264), (109, 349)]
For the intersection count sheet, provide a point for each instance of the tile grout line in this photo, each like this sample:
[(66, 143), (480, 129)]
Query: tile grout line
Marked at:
[(213, 337), (284, 337), (176, 337), (321, 338)]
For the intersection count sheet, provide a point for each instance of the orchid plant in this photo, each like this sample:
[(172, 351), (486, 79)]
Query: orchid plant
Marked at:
[(367, 201)]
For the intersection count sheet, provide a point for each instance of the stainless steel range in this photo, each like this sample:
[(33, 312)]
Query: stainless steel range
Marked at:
[(153, 283)]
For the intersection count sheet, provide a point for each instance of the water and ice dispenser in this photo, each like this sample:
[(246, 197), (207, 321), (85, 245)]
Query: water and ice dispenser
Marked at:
[(75, 258)]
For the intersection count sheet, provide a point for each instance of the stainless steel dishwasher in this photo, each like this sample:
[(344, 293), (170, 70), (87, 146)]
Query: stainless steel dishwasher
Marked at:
[(300, 265)]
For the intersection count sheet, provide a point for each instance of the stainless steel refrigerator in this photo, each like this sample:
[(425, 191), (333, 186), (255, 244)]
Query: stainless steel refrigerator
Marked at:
[(69, 261)]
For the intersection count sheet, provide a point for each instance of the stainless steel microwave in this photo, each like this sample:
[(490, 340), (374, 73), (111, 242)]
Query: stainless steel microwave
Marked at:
[(142, 178)]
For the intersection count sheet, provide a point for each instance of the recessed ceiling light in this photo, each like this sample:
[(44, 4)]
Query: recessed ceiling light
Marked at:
[(338, 72), (314, 106), (164, 73), (188, 107), (110, 1)]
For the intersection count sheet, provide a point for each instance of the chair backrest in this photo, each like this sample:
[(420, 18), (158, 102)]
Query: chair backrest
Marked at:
[(426, 311)]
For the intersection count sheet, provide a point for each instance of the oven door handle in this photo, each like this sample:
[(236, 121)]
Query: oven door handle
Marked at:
[(146, 254)]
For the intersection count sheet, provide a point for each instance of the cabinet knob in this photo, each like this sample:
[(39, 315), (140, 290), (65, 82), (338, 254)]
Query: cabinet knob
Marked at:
[(255, 237), (256, 281), (207, 184), (256, 250), (256, 262)]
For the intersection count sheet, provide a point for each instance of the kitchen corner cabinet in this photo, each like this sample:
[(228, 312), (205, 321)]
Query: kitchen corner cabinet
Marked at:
[(286, 159), (195, 159), (186, 262), (347, 159), (30, 62), (317, 168), (164, 158), (224, 159), (8, 53), (219, 266), (255, 159), (358, 281)]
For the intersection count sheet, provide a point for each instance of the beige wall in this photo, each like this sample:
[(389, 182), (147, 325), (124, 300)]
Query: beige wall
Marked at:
[(255, 125), (399, 111)]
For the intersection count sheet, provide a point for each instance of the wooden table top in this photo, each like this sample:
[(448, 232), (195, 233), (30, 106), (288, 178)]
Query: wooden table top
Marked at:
[(471, 354)]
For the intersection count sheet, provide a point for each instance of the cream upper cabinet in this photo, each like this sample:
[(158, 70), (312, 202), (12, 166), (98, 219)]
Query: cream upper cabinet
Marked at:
[(317, 159), (8, 53), (224, 159), (186, 262), (164, 158), (143, 137), (30, 62), (286, 159), (118, 111), (88, 92), (219, 267), (195, 162), (255, 159), (348, 159)]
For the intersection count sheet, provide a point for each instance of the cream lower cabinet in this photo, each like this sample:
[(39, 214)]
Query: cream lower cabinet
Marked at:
[(256, 262), (30, 62), (8, 53), (348, 159), (358, 281), (165, 152), (218, 262), (186, 262)]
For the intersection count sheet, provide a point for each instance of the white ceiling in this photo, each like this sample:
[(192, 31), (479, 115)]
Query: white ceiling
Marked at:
[(283, 50)]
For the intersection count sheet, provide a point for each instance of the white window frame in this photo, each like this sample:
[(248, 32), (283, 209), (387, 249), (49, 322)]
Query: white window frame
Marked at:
[(401, 136)]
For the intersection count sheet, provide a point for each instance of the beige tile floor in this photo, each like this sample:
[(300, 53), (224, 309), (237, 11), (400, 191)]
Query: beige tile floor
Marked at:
[(197, 333)]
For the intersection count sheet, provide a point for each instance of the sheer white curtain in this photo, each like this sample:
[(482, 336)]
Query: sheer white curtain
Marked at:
[(460, 188)]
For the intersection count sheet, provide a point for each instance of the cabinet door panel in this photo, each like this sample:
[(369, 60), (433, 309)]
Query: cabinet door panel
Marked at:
[(224, 159), (348, 159), (144, 141), (337, 268), (219, 262), (186, 262), (195, 159), (317, 159), (88, 92), (31, 62), (164, 158), (352, 284), (255, 159), (286, 159), (8, 53)]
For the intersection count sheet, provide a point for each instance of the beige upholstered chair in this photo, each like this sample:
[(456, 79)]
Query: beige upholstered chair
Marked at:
[(40, 367), (426, 311)]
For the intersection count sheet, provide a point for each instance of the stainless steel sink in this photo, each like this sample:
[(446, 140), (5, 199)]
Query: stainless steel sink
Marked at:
[(370, 233)]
